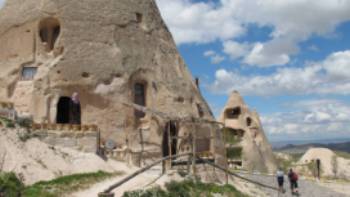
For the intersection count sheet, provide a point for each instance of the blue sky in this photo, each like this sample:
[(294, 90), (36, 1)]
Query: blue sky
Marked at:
[(290, 59)]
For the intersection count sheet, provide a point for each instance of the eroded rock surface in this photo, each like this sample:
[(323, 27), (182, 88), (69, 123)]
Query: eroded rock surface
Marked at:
[(244, 132), (110, 52)]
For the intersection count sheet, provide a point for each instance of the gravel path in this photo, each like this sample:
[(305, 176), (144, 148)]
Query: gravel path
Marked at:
[(306, 188)]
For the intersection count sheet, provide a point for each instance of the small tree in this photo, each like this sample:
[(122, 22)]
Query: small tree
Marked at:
[(334, 164)]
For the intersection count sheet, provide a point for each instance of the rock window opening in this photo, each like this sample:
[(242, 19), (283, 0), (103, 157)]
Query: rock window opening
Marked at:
[(233, 113), (140, 98), (139, 17), (249, 122), (28, 73), (179, 99), (49, 30), (200, 110), (170, 128), (197, 82), (236, 163)]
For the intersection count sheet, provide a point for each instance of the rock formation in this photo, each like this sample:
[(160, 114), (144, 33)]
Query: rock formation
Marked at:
[(246, 143), (111, 52), (331, 165), (34, 160)]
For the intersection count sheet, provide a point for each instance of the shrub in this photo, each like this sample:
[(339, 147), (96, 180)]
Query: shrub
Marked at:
[(187, 188), (25, 122), (10, 185)]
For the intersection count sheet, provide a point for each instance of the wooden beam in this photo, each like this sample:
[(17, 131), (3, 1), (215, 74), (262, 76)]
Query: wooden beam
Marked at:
[(133, 175), (169, 144)]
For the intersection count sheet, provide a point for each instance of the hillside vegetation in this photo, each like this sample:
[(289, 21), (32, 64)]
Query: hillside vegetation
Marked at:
[(11, 186), (188, 188)]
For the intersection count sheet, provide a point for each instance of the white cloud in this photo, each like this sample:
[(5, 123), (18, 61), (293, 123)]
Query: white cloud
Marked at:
[(338, 65), (209, 53), (331, 76), (292, 21), (261, 57), (198, 22), (214, 57), (311, 118), (235, 49)]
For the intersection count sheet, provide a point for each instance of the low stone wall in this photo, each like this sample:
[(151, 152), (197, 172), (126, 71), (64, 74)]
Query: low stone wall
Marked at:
[(83, 141)]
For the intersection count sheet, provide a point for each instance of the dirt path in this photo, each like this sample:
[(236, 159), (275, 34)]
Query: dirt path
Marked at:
[(138, 182), (306, 188)]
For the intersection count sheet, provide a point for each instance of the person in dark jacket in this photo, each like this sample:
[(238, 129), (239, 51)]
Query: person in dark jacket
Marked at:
[(74, 109), (293, 180)]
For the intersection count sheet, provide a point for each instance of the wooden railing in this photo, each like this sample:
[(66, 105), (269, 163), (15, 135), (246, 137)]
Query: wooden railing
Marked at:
[(107, 192), (64, 127)]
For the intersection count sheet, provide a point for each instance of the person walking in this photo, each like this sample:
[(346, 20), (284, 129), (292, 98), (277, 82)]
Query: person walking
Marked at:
[(75, 110), (280, 180), (293, 180)]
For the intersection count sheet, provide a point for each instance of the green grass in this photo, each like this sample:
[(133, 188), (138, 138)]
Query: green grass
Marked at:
[(65, 185), (187, 188), (230, 137), (286, 164), (343, 154), (234, 152), (296, 156), (10, 185)]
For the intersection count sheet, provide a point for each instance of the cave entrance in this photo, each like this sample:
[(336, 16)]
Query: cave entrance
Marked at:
[(49, 30), (170, 128), (62, 116)]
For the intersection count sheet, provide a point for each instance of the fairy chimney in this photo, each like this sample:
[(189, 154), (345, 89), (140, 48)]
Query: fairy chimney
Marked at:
[(109, 52), (246, 144)]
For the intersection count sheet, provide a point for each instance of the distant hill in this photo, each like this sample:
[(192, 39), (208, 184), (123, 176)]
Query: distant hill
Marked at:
[(290, 148)]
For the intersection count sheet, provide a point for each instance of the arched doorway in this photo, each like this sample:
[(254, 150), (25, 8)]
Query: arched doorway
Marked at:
[(170, 128), (62, 116)]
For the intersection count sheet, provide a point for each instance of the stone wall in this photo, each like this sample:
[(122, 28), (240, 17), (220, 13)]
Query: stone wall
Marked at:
[(82, 141)]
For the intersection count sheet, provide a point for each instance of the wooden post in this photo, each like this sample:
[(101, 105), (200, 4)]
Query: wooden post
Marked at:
[(98, 143), (142, 147), (189, 164), (169, 145), (131, 176), (226, 172), (214, 147)]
